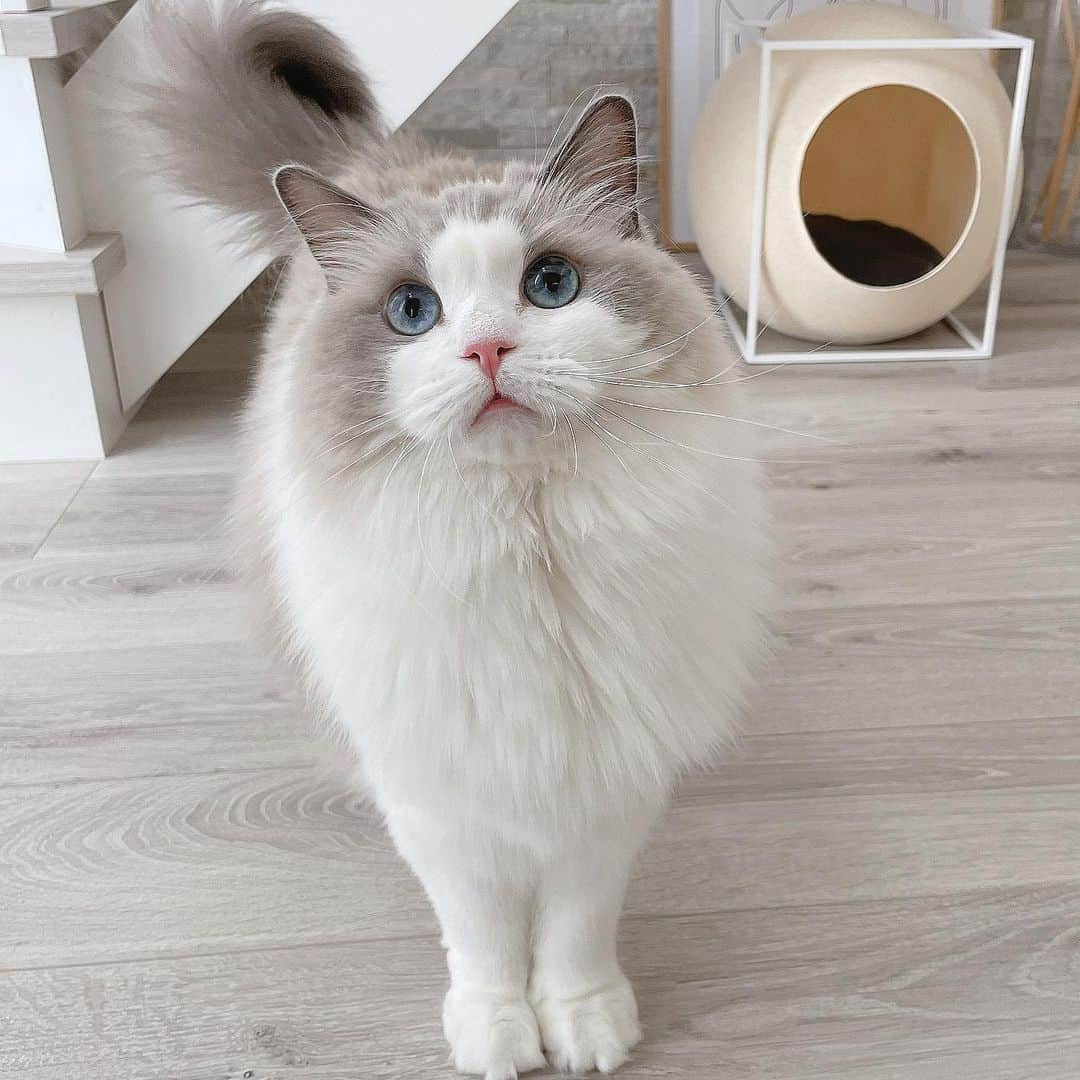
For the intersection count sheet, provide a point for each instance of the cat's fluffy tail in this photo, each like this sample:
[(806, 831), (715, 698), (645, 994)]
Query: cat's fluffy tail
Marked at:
[(231, 89)]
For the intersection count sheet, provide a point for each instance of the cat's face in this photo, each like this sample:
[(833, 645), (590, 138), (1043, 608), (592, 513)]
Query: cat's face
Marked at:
[(487, 317), (520, 327)]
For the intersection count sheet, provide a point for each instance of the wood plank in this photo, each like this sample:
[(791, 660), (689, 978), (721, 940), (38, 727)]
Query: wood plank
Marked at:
[(146, 686), (32, 498), (144, 515), (197, 863), (220, 350), (248, 859), (1032, 352), (993, 755), (837, 849), (57, 605), (866, 544), (116, 714), (979, 984), (868, 408), (891, 666), (232, 342), (186, 428)]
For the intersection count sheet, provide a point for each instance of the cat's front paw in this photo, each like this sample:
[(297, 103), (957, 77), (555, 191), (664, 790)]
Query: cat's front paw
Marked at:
[(593, 1031), (491, 1035)]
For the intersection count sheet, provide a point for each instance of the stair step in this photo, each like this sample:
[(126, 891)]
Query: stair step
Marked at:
[(52, 31), (84, 269), (23, 5)]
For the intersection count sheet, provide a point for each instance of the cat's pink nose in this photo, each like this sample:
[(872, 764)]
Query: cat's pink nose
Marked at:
[(489, 354)]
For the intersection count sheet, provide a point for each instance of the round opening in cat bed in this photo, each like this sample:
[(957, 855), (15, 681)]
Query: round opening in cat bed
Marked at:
[(888, 185)]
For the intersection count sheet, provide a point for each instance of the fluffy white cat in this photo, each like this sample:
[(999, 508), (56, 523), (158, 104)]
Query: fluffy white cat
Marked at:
[(500, 486)]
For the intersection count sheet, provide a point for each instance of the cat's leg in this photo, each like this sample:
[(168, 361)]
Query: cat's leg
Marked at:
[(482, 891), (583, 1002)]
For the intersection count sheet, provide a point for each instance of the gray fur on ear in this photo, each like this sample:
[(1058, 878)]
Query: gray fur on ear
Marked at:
[(599, 159), (324, 213)]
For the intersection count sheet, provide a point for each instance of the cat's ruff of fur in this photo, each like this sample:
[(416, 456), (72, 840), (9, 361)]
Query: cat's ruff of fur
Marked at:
[(530, 624)]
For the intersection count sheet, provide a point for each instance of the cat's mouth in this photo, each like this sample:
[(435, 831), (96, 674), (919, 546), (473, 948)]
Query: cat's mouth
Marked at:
[(499, 403)]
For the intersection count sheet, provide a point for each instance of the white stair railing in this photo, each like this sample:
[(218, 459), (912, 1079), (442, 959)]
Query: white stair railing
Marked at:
[(104, 280)]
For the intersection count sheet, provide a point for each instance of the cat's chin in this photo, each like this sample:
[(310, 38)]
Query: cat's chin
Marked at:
[(508, 434)]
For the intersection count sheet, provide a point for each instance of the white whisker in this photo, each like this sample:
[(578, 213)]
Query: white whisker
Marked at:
[(663, 345), (573, 440), (597, 430), (691, 449), (373, 424), (718, 416), (554, 424), (657, 461)]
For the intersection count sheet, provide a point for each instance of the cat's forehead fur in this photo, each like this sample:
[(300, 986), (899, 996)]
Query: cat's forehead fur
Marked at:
[(469, 256), (480, 233)]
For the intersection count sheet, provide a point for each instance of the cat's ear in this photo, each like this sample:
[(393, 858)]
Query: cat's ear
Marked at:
[(599, 159), (325, 215)]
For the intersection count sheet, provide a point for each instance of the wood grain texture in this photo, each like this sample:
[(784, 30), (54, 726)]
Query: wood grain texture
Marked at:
[(997, 660), (60, 605), (250, 857), (32, 498), (125, 713), (889, 989), (881, 881)]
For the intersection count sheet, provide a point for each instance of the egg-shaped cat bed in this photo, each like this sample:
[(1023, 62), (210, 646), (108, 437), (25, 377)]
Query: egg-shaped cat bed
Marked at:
[(886, 172)]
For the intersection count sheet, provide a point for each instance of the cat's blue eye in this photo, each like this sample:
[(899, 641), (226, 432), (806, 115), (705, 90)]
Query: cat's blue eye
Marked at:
[(413, 309), (551, 282)]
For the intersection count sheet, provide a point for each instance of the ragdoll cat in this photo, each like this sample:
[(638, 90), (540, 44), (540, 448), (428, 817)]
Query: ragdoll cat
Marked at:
[(498, 480)]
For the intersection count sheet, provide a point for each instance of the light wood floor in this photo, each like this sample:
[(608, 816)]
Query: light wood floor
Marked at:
[(882, 884)]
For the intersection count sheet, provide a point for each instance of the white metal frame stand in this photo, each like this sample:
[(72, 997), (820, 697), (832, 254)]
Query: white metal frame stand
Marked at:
[(975, 347)]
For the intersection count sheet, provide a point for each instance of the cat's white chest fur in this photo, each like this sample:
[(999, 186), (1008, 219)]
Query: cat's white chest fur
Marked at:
[(531, 653)]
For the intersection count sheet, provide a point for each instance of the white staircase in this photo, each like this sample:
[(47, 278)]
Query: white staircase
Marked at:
[(104, 280)]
